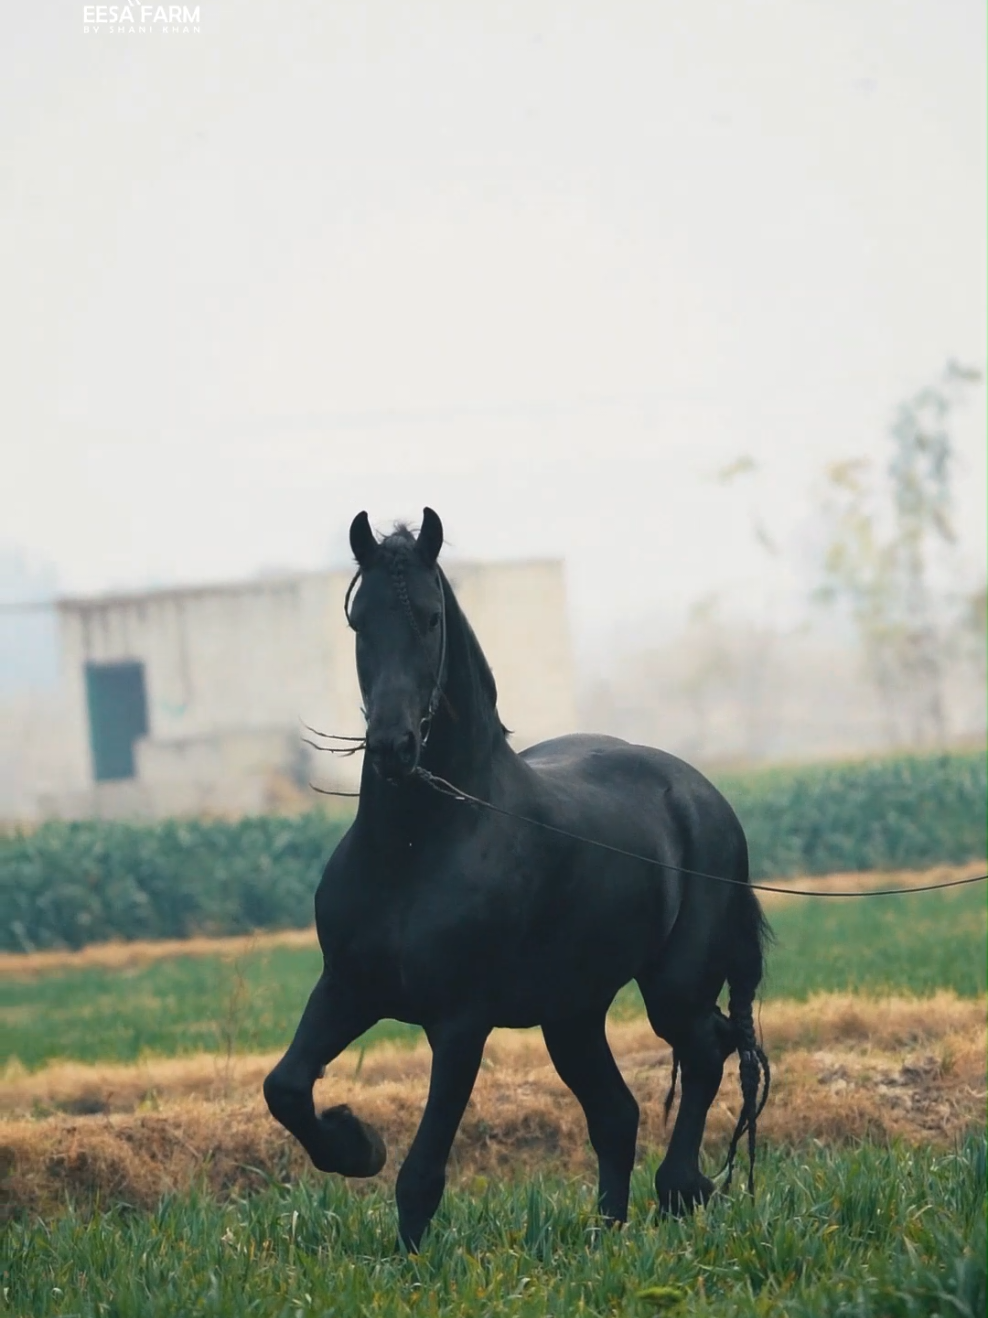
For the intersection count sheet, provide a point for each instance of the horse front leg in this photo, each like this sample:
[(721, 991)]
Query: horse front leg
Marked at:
[(457, 1050), (336, 1140)]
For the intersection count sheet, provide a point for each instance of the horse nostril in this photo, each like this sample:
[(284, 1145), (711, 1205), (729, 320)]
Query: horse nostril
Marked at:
[(393, 755), (405, 748)]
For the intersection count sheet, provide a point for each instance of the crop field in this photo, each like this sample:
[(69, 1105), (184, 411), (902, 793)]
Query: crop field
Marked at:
[(246, 995), (143, 1175), (90, 881)]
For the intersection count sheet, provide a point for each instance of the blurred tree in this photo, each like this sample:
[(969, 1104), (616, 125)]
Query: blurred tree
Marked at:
[(881, 544), (972, 632), (743, 466)]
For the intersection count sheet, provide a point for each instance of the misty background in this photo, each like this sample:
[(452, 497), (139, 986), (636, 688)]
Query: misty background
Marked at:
[(623, 284)]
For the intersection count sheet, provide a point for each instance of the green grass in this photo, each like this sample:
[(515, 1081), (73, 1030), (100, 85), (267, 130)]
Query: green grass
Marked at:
[(179, 1005), (911, 944), (873, 1233), (916, 943)]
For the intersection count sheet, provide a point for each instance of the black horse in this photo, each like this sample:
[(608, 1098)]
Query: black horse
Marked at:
[(439, 912)]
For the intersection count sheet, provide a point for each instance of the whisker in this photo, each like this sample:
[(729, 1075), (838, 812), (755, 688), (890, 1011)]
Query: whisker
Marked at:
[(330, 736), (325, 791), (333, 750)]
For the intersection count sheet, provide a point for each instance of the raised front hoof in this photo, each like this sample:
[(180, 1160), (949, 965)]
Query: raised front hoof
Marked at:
[(679, 1197), (347, 1145)]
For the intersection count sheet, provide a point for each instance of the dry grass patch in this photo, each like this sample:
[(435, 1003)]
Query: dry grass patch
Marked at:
[(129, 956), (841, 1020), (842, 1072), (867, 880)]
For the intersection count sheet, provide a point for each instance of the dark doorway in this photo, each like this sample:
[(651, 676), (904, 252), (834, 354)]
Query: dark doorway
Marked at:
[(118, 715)]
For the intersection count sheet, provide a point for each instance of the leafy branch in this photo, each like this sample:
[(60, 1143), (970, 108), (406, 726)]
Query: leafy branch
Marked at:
[(883, 540)]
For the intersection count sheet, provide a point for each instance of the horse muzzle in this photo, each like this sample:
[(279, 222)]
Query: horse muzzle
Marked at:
[(394, 756)]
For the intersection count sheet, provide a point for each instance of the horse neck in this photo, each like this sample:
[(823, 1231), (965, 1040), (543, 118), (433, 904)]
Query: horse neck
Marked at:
[(463, 743), (466, 734)]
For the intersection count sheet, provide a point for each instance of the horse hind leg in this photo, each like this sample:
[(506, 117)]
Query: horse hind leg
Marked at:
[(679, 1183), (700, 1043), (582, 1056)]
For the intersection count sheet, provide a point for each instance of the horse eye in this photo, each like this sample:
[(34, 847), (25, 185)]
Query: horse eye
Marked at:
[(434, 622)]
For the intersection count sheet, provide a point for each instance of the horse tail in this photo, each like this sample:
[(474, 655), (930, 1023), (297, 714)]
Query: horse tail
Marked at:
[(749, 934), (670, 1097)]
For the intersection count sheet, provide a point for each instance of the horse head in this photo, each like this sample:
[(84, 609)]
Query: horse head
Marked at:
[(399, 617)]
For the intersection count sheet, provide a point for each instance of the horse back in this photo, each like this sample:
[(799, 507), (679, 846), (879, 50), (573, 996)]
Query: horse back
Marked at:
[(643, 800), (638, 776)]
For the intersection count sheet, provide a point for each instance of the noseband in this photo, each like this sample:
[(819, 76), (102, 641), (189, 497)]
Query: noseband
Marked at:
[(401, 590)]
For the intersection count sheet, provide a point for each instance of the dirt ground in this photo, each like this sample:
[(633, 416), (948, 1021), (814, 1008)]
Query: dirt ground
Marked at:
[(844, 1069)]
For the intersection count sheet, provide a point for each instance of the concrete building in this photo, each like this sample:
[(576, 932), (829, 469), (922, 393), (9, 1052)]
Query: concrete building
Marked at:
[(189, 700)]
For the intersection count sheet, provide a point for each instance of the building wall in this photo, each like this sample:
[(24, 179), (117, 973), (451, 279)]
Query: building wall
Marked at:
[(230, 671), (518, 612)]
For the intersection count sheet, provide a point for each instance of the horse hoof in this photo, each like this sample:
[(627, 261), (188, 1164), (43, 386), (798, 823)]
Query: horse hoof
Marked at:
[(348, 1145), (679, 1200)]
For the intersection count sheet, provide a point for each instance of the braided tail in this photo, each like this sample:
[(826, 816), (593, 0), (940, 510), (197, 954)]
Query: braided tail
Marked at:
[(751, 932), (754, 1065), (670, 1097)]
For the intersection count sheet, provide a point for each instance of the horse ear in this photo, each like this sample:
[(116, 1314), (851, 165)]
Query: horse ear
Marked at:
[(430, 538), (362, 540)]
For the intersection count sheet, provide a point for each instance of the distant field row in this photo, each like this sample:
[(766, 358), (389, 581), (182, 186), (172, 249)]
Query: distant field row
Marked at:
[(250, 1002), (69, 885)]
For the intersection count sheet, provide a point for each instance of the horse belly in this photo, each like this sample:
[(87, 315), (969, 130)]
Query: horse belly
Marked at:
[(510, 983), (577, 967), (542, 943)]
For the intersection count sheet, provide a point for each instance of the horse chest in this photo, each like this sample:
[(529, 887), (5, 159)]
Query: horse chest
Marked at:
[(408, 942)]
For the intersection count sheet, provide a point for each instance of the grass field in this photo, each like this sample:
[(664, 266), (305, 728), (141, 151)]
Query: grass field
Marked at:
[(251, 1002), (871, 1178), (885, 1232)]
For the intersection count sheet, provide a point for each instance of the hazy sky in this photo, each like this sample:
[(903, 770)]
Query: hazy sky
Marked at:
[(545, 266)]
